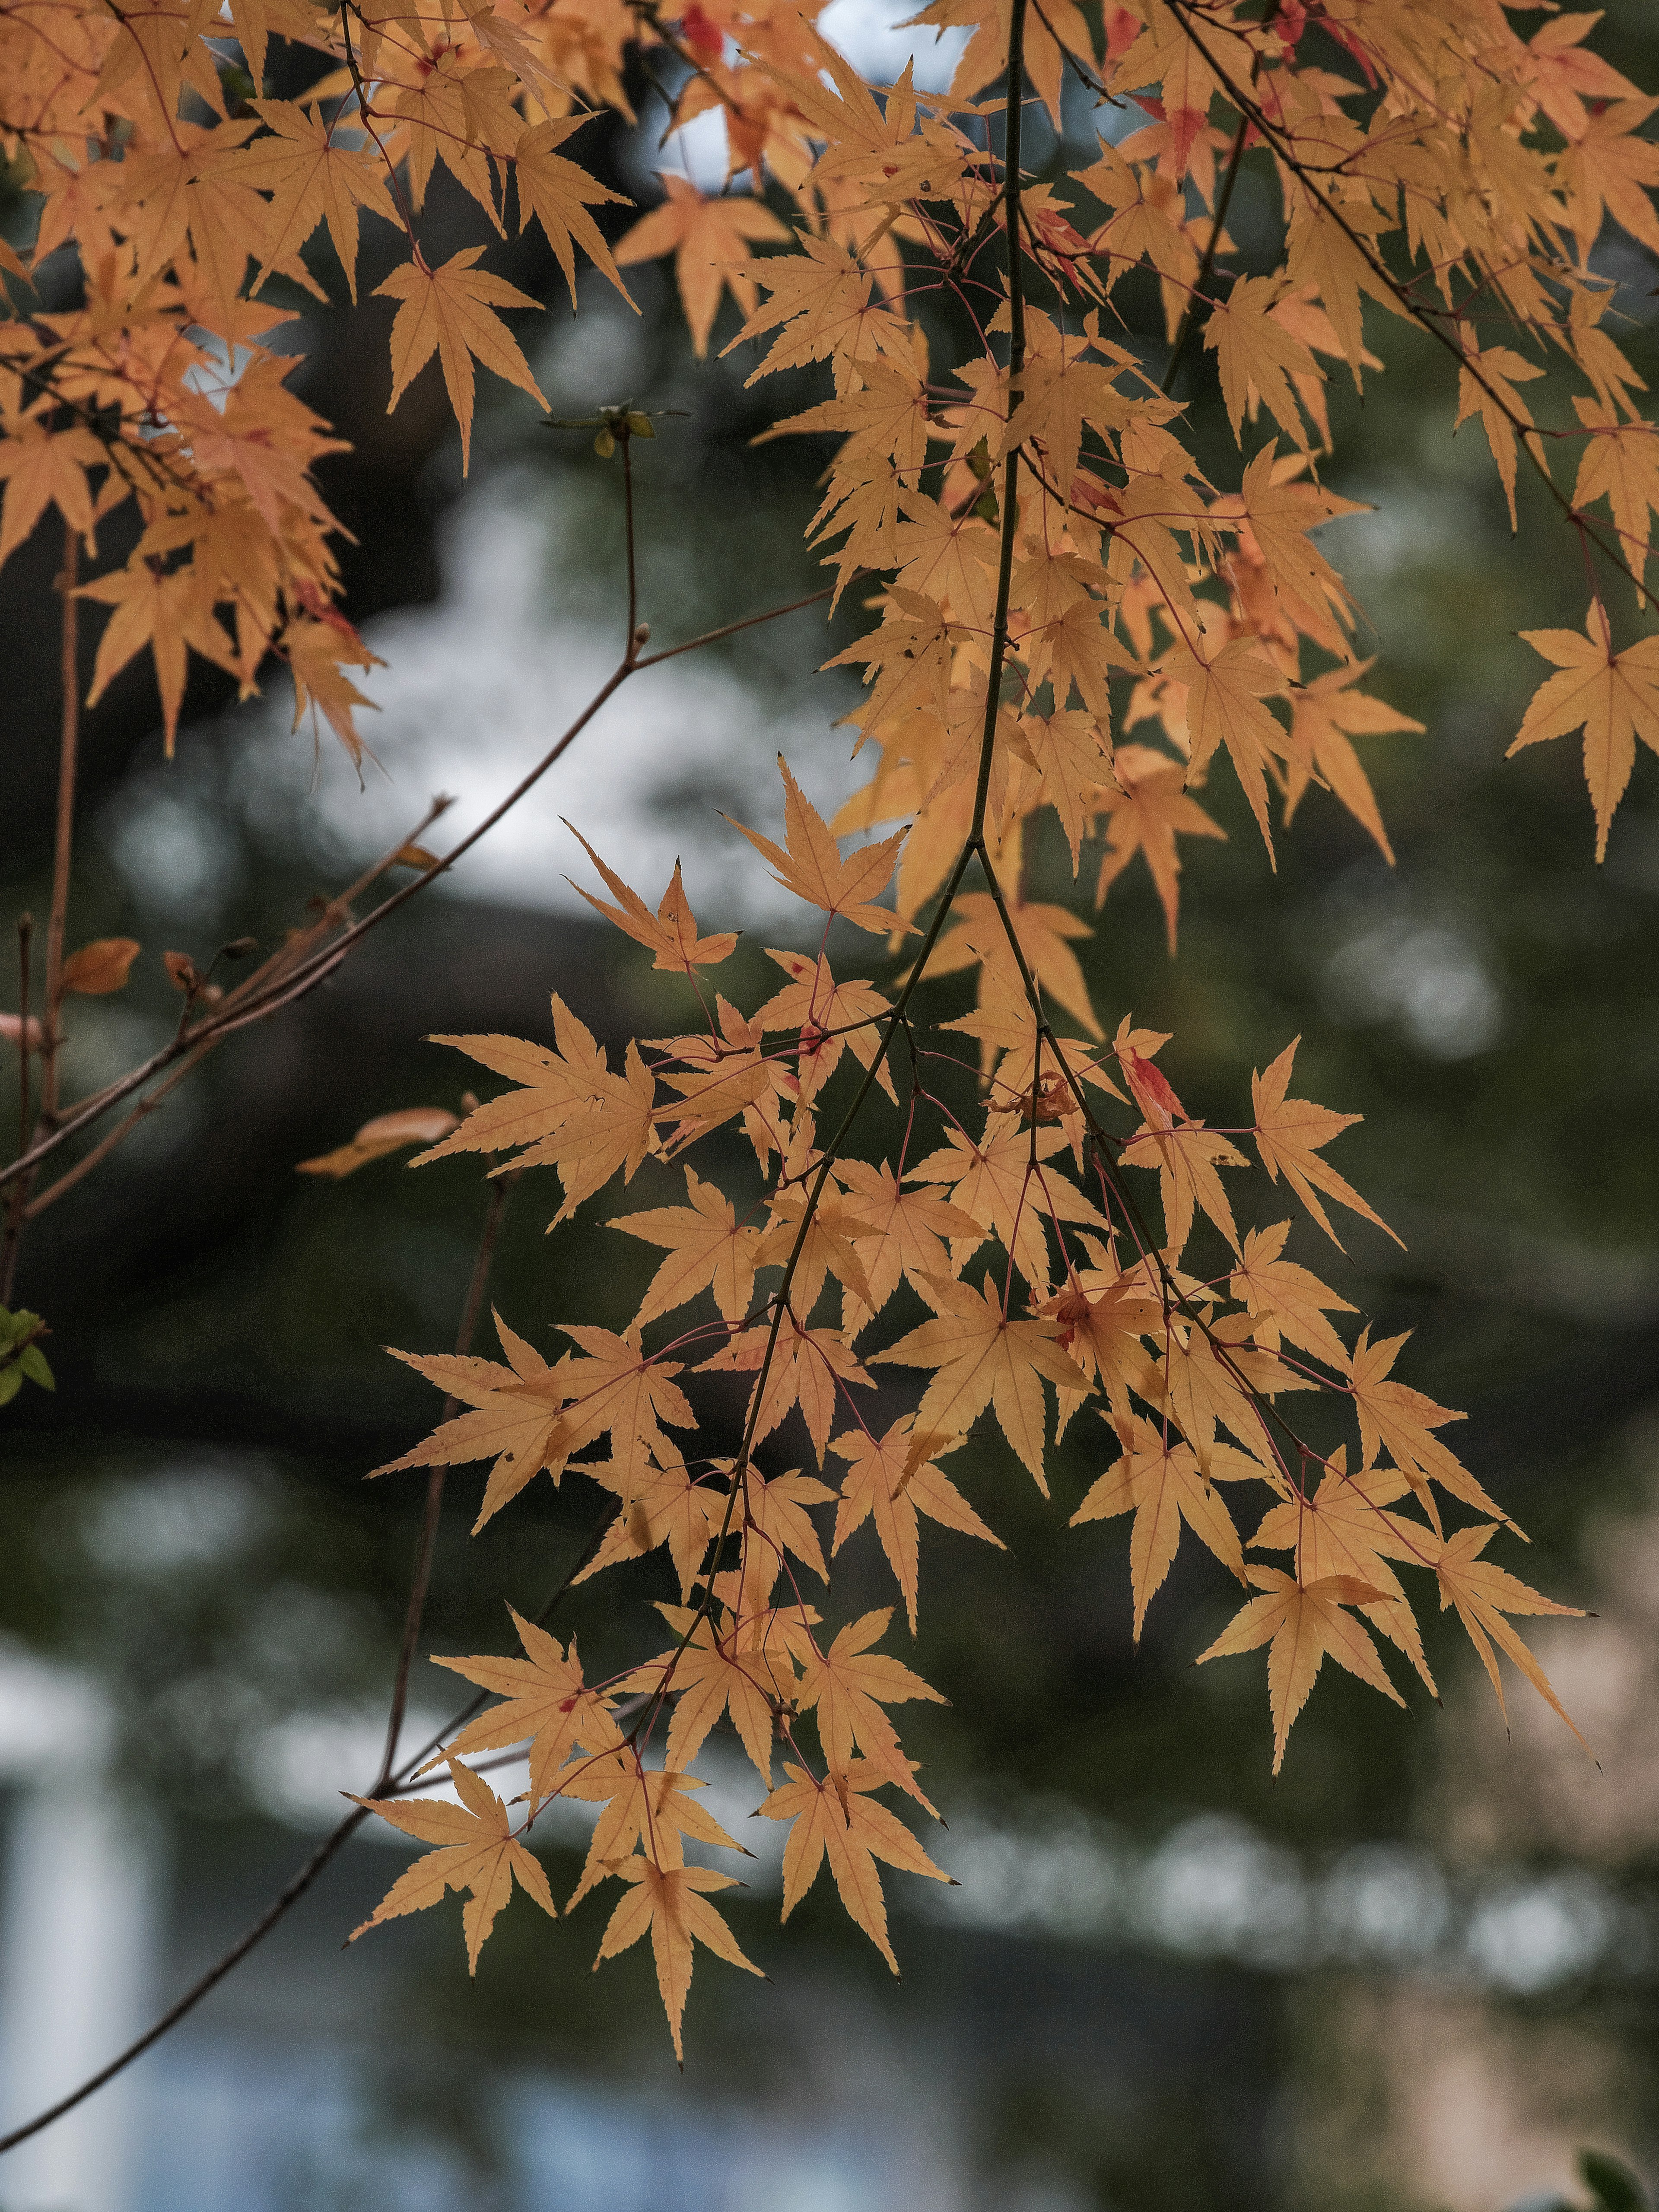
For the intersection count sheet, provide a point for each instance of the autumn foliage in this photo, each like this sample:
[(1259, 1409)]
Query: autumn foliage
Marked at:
[(1067, 615)]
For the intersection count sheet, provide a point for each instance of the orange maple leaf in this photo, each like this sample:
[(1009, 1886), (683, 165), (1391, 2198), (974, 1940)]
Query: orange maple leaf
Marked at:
[(478, 1852), (1302, 1624), (450, 311), (1614, 697)]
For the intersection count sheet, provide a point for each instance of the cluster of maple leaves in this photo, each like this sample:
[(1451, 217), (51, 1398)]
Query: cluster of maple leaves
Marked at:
[(1040, 539)]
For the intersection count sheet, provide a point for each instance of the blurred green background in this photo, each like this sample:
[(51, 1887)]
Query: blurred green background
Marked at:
[(1416, 1970)]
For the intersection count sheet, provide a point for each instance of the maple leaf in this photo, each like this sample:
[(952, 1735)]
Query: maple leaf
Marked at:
[(1302, 1624), (673, 1903), (386, 1133), (1158, 1478), (707, 1248), (978, 936), (838, 1819), (1258, 356), (995, 1184), (1224, 708), (1286, 1299), (317, 654), (517, 1417), (846, 1688), (170, 613), (559, 193), (1614, 697), (1346, 1528), (710, 239), (826, 1018), (670, 933), (1484, 1594), (661, 1504), (544, 1698), (1144, 814), (1324, 716), (1395, 1419), (905, 1232), (808, 1366), (985, 1357), (450, 311), (809, 865), (650, 1804), (571, 1113), (313, 175), (1289, 1132), (477, 1852), (1486, 386), (740, 1666), (896, 1478), (40, 465)]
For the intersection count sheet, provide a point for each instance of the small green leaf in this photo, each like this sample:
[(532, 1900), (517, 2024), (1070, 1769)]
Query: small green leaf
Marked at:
[(11, 1382), (605, 445), (31, 1361)]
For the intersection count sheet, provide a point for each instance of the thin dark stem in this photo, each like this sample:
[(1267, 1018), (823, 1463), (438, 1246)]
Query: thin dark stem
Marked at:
[(239, 1012), (68, 762), (420, 1580), (1206, 266), (14, 1230), (627, 516), (973, 844)]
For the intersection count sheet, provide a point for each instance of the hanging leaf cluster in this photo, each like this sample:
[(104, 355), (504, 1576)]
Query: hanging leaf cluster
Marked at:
[(1068, 616)]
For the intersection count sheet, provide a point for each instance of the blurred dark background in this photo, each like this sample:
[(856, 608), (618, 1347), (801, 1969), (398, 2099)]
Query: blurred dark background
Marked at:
[(1415, 1971)]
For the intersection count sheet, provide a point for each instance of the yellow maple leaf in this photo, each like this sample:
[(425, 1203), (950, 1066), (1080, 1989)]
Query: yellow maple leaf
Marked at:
[(1302, 1624), (476, 1851), (1614, 697), (838, 1818), (710, 239), (671, 1904), (451, 311)]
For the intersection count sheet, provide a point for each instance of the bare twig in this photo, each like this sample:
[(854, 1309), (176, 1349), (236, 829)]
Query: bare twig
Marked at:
[(420, 1580), (68, 762), (282, 1903), (238, 1012)]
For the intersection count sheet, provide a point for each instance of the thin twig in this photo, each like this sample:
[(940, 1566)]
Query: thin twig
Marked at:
[(1205, 267), (420, 1580), (975, 843), (14, 1229), (237, 1013), (67, 761), (285, 1899)]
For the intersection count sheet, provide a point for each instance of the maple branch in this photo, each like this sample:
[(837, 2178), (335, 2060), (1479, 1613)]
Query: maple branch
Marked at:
[(238, 1012), (14, 1205), (1426, 318), (1205, 267), (731, 629), (285, 1898), (68, 750), (974, 843)]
